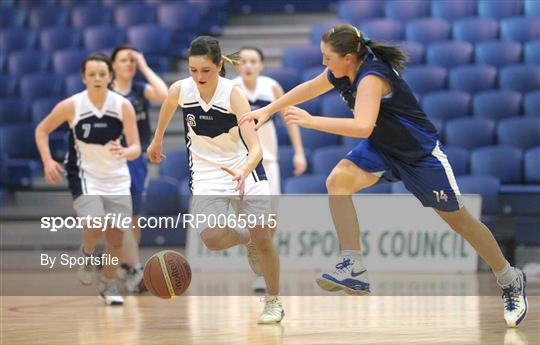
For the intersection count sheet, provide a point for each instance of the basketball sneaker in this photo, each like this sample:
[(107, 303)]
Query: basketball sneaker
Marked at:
[(349, 275), (253, 258), (108, 293), (259, 285), (515, 300), (273, 311), (86, 272), (134, 277), (122, 271)]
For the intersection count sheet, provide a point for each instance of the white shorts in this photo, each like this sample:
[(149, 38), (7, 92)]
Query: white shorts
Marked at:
[(226, 209), (272, 174), (98, 206)]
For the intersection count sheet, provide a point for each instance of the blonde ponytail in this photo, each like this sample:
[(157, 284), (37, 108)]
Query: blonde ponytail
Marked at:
[(233, 59)]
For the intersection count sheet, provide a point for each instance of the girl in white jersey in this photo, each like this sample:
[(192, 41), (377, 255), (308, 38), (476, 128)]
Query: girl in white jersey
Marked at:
[(218, 148), (96, 166)]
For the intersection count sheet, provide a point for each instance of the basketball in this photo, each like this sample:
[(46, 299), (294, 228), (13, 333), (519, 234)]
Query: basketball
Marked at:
[(167, 274)]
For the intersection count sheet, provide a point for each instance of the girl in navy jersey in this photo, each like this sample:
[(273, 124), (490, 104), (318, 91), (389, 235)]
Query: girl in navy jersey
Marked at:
[(126, 60), (401, 144), (225, 162), (96, 166)]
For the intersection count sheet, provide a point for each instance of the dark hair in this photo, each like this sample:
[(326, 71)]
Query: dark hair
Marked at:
[(346, 39), (97, 57), (120, 48), (209, 47), (255, 49)]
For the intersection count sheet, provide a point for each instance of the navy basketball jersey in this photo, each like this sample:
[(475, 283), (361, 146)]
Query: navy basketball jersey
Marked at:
[(402, 129), (213, 138), (141, 105), (91, 167)]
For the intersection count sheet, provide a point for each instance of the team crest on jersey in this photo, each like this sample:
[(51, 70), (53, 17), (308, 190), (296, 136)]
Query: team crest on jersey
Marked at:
[(191, 120)]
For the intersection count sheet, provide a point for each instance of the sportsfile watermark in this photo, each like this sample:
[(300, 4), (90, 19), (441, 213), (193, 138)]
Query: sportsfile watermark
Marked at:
[(180, 221)]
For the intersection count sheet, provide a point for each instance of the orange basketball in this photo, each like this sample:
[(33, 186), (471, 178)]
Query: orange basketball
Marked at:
[(167, 274)]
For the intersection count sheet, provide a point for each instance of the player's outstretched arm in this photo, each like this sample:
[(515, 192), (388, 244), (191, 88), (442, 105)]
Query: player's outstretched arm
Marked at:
[(301, 93), (62, 112), (168, 108)]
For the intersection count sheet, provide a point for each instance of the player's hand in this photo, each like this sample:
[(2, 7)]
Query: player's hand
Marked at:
[(118, 151), (261, 115), (239, 178), (297, 116), (139, 58), (155, 151), (53, 171), (299, 164)]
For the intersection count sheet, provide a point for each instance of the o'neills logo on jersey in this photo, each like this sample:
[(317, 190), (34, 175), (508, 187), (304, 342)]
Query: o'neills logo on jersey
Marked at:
[(191, 120), (206, 117)]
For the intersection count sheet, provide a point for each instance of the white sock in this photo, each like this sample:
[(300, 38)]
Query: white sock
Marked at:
[(353, 254), (506, 275)]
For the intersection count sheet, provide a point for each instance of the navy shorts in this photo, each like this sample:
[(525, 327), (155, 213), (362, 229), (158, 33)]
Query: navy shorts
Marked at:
[(430, 179), (138, 171)]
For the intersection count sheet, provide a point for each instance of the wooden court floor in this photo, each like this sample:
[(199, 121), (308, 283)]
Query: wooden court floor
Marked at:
[(217, 320)]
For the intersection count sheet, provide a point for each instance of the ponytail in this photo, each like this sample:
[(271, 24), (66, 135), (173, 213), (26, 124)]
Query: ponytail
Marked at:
[(233, 59)]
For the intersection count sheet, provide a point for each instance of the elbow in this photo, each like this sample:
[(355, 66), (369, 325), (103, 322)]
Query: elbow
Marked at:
[(136, 152), (362, 131)]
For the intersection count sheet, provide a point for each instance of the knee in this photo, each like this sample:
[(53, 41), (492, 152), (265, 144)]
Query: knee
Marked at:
[(211, 239), (340, 182), (114, 237)]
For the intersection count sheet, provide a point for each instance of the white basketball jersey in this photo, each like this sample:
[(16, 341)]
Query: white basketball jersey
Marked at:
[(263, 95), (92, 168), (213, 138)]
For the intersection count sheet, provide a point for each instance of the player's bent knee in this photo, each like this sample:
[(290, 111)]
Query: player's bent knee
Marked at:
[(340, 182)]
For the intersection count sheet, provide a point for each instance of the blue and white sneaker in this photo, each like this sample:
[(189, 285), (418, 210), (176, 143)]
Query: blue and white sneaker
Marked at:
[(350, 276), (515, 300)]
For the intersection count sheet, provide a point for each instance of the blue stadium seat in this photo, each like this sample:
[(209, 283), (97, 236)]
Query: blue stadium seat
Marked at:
[(42, 107), (313, 139), (532, 165), (282, 134), (90, 15), (382, 29), (497, 104), (14, 141), (13, 39), (162, 197), (68, 61), (318, 30), (378, 188), (399, 188), (452, 9), (48, 16), (439, 125), (351, 142), (333, 106), (532, 8), (475, 29), (415, 52), (130, 14), (427, 30), (449, 54), (8, 85), (531, 103), (52, 39), (311, 73), (103, 37), (522, 132), (286, 167), (313, 106), (37, 86), (3, 58), (473, 78), (32, 3), (74, 84), (422, 79), (286, 77), (73, 3), (184, 22), (406, 10), (176, 165), (12, 110), (12, 17), (532, 53), (154, 42), (326, 158), (308, 184), (498, 9), (470, 133), (521, 29), (302, 57), (446, 105), (521, 78), (353, 11), (497, 53), (504, 162), (458, 157), (487, 186), (28, 62)]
